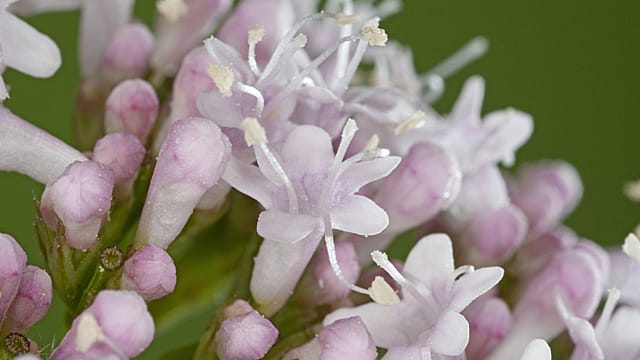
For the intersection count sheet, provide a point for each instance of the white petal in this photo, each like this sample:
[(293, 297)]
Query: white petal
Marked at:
[(278, 267), (430, 259), (358, 175), (248, 180), (467, 108), (450, 335), (472, 285), (3, 89), (282, 226), (98, 22), (407, 353), (359, 215), (537, 350), (621, 339), (26, 49), (30, 7), (31, 151), (308, 150)]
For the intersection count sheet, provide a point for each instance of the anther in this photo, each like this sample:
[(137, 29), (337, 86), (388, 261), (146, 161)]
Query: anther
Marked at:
[(254, 133), (374, 35), (631, 247), (343, 19), (172, 10), (223, 77), (414, 121)]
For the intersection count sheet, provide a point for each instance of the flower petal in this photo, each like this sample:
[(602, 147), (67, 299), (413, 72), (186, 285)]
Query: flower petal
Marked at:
[(284, 227), (359, 215), (30, 7), (407, 353), (472, 285), (467, 108), (278, 267), (450, 335), (360, 174), (249, 180), (537, 349), (430, 259), (26, 49), (307, 150)]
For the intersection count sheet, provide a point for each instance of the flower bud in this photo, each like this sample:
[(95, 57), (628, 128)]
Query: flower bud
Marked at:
[(275, 16), (116, 324), (245, 337), (179, 31), (494, 236), (132, 106), (32, 300), (190, 162), (320, 285), (13, 261), (150, 272), (129, 53), (539, 250), (81, 199), (31, 151), (238, 307), (489, 322), (426, 182), (214, 197), (123, 153)]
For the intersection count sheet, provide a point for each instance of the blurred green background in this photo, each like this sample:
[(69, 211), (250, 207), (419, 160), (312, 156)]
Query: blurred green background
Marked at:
[(574, 65)]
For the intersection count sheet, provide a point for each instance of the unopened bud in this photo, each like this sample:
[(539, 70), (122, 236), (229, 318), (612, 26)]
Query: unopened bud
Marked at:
[(32, 300), (245, 337), (150, 272), (129, 54), (132, 107)]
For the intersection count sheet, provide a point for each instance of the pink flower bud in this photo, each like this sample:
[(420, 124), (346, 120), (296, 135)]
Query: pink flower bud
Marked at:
[(320, 285), (190, 162), (489, 322), (13, 261), (129, 54), (117, 325), (541, 249), (31, 151), (275, 16), (425, 182), (123, 153), (132, 106), (150, 272), (179, 30), (238, 307), (494, 236), (245, 337), (347, 339), (32, 300), (81, 199)]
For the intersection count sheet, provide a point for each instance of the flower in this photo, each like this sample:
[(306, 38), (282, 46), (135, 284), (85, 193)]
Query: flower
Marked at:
[(427, 319)]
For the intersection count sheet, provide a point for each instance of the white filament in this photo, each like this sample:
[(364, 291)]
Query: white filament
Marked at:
[(607, 311), (470, 52), (256, 34), (342, 57), (250, 90)]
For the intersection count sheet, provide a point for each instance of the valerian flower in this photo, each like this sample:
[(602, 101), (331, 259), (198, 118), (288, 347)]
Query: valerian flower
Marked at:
[(427, 320)]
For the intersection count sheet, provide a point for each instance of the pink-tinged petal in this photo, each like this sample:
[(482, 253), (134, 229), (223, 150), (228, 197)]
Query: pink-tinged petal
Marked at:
[(584, 337), (537, 349), (307, 150), (470, 286), (224, 111), (30, 7), (359, 215), (620, 340), (276, 16), (347, 339), (175, 39), (426, 182), (248, 336), (190, 162), (250, 181), (389, 326), (360, 174), (26, 49), (277, 269), (123, 153), (468, 107), (284, 227), (99, 21), (506, 131), (489, 323), (450, 335), (482, 190), (13, 261), (32, 300), (431, 259), (223, 54), (31, 151)]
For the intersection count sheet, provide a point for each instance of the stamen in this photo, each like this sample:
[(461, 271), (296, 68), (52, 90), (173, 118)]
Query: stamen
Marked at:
[(172, 10), (343, 19), (342, 57), (223, 77), (382, 260), (255, 136), (374, 35), (382, 293), (416, 120), (607, 311), (631, 246), (250, 90), (333, 259), (348, 132), (470, 52), (256, 34), (372, 143)]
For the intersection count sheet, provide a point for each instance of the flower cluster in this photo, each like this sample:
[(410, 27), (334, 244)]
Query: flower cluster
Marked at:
[(271, 171)]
